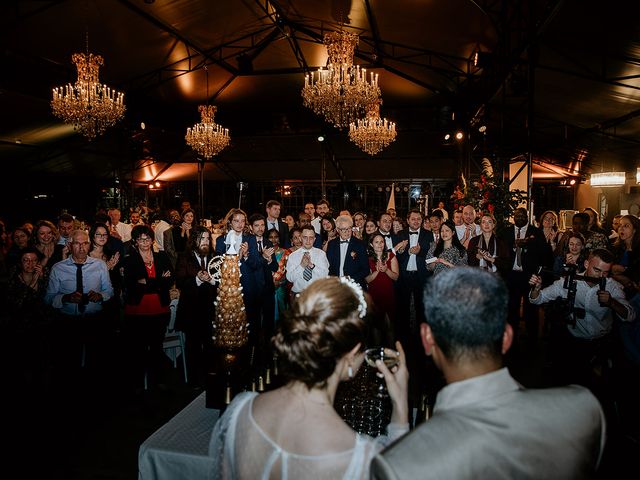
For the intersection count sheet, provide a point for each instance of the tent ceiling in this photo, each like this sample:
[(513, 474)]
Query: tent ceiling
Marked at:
[(583, 87)]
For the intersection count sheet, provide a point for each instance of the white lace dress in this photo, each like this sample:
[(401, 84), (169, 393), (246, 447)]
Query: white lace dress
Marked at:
[(242, 450)]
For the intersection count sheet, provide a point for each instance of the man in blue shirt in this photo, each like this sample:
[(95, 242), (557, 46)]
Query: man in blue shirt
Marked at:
[(77, 288)]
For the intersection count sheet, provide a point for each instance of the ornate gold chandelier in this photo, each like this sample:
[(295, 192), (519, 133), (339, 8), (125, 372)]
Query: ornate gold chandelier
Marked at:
[(207, 137), (372, 134), (340, 92), (90, 106)]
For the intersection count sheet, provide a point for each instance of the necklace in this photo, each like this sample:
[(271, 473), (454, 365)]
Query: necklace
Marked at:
[(148, 262)]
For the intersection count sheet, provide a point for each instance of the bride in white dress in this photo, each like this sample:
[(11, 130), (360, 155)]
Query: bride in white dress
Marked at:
[(293, 431)]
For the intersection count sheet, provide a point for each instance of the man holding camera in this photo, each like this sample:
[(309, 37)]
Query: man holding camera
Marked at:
[(590, 319)]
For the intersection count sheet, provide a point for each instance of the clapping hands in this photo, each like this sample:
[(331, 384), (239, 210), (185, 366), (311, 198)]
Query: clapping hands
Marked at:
[(381, 267), (113, 261)]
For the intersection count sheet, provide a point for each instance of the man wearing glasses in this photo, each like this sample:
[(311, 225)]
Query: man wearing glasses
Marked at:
[(76, 290), (346, 254)]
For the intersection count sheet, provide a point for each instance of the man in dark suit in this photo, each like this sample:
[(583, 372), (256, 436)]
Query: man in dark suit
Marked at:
[(237, 242), (412, 245), (196, 310), (346, 254), (528, 253), (384, 227), (269, 266), (273, 221)]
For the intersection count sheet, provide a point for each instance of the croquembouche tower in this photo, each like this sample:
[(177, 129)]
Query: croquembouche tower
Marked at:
[(230, 331)]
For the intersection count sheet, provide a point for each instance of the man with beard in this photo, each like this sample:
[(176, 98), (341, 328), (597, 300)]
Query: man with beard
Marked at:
[(175, 220), (195, 309), (322, 210)]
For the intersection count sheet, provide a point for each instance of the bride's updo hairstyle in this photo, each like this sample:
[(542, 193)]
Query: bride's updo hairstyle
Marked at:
[(323, 324)]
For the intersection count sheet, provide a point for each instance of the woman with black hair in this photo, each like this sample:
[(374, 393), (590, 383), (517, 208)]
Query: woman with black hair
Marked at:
[(148, 278), (176, 238), (448, 252), (102, 249), (327, 231)]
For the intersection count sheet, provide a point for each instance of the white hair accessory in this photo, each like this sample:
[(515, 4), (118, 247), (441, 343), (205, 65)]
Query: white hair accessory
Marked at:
[(357, 289)]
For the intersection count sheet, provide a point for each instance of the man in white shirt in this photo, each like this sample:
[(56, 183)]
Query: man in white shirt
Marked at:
[(469, 228), (310, 209), (65, 227), (162, 226), (384, 227), (445, 214), (435, 222), (135, 218), (322, 210), (582, 333), (119, 230), (306, 264)]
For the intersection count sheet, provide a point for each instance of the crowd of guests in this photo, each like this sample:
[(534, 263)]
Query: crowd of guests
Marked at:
[(71, 287)]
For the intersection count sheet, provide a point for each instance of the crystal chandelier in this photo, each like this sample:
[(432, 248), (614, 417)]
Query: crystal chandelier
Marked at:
[(340, 92), (207, 137), (372, 134), (90, 106)]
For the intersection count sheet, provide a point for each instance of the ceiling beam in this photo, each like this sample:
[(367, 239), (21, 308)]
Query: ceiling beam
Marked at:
[(375, 32), (175, 33)]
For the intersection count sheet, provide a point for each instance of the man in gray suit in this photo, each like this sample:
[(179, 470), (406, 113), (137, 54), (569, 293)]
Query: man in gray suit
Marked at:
[(486, 425)]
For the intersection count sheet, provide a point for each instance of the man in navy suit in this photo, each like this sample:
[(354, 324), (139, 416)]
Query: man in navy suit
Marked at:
[(273, 221), (269, 266), (346, 254), (412, 245), (238, 242)]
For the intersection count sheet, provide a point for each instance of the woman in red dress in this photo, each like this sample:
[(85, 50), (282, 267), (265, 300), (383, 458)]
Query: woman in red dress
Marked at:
[(384, 269)]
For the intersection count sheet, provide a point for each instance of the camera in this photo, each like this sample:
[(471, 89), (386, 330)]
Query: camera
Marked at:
[(565, 308)]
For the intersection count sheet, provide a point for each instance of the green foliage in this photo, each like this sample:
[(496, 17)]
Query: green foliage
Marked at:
[(492, 195)]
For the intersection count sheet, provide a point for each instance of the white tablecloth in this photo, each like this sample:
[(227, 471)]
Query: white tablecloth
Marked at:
[(178, 450)]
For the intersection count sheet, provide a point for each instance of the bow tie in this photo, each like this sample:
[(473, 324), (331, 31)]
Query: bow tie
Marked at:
[(385, 235), (343, 241), (413, 233)]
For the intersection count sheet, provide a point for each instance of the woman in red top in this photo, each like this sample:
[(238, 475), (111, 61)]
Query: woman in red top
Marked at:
[(148, 277), (384, 269)]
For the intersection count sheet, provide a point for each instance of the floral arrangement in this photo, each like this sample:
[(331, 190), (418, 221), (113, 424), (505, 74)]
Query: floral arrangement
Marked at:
[(491, 194)]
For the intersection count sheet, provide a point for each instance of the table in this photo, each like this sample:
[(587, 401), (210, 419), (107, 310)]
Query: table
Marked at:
[(179, 449)]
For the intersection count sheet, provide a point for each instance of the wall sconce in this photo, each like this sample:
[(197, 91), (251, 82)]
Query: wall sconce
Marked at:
[(608, 179)]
